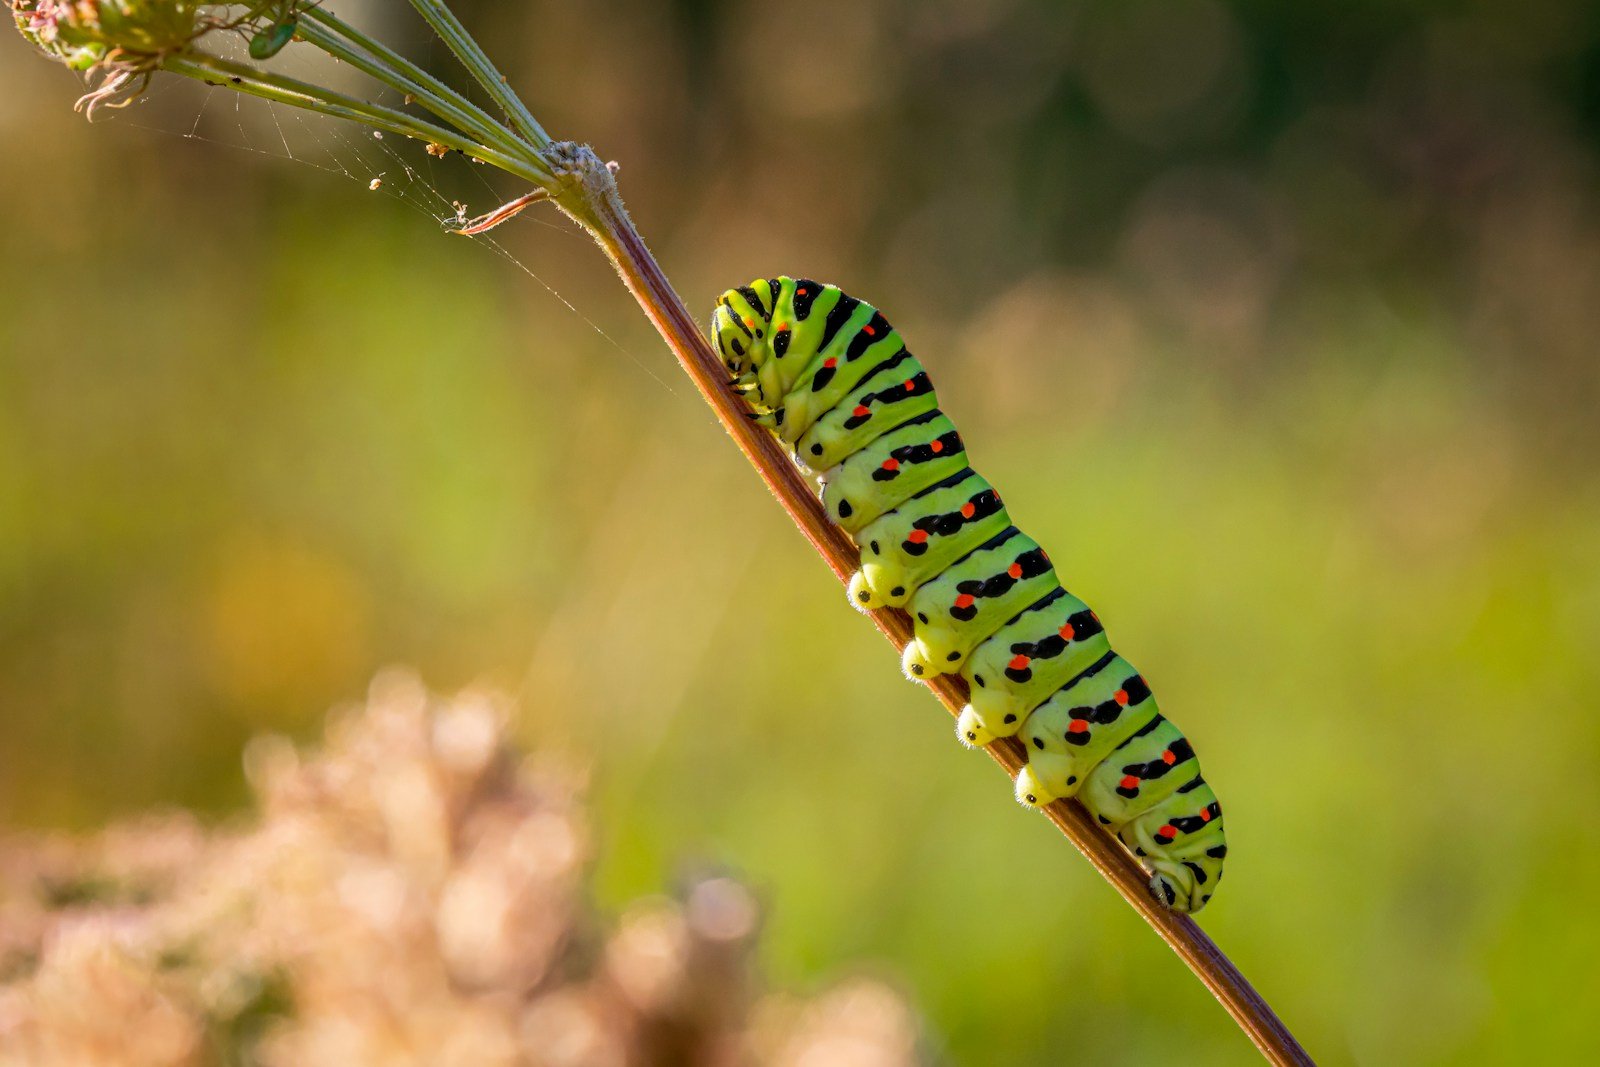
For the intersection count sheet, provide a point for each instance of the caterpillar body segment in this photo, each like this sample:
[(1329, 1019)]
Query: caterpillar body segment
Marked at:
[(830, 377), (973, 598), (1152, 765), (1082, 723), (893, 469), (1029, 658), (906, 547), (897, 391)]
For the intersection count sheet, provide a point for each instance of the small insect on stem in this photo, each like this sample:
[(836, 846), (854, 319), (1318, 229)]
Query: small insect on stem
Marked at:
[(270, 41)]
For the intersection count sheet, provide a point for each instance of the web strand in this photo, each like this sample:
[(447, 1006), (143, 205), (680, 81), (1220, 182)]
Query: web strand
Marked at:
[(375, 163)]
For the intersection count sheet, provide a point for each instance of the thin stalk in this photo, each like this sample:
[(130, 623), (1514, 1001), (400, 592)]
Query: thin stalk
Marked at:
[(342, 41), (296, 93), (459, 41), (593, 201)]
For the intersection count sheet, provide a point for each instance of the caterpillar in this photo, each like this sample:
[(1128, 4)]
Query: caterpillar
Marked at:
[(828, 375)]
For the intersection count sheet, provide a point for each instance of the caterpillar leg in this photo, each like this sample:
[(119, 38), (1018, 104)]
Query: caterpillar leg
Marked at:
[(916, 663), (1031, 790), (860, 594), (970, 729)]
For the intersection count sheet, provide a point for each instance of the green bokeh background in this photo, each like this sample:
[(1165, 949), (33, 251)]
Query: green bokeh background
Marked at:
[(1278, 323)]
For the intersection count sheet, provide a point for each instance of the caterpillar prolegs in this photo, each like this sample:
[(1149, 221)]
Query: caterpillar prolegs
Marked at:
[(831, 378)]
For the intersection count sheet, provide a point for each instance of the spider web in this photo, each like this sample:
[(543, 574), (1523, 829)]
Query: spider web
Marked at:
[(385, 164)]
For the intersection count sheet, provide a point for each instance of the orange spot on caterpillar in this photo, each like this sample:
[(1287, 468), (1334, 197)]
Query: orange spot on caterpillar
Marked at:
[(1205, 814), (891, 464), (1077, 726), (1168, 757), (1121, 697), (911, 385), (1067, 632), (861, 411), (1128, 781), (967, 510), (917, 537), (965, 600), (937, 446), (869, 331), (750, 323), (1169, 832), (1014, 571), (830, 362), (1018, 662)]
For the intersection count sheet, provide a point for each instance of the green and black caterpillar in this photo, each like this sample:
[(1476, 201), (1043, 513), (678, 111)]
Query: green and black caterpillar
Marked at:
[(832, 379)]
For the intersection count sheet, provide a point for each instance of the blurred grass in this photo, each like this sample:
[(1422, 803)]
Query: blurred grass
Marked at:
[(1313, 433)]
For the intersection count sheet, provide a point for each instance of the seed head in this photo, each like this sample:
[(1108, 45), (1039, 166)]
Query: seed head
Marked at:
[(121, 43), (85, 34)]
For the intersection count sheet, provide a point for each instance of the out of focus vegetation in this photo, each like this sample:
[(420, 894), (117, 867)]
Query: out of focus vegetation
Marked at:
[(1278, 324), (412, 893)]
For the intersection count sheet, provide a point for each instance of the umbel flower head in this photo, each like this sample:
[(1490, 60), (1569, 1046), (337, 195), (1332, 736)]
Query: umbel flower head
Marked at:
[(85, 34), (124, 42)]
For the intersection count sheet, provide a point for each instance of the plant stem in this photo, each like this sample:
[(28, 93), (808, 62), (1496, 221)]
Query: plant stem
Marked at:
[(268, 86), (343, 41), (455, 36), (593, 201)]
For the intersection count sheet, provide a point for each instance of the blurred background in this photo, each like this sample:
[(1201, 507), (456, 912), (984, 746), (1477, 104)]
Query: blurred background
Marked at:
[(1277, 324)]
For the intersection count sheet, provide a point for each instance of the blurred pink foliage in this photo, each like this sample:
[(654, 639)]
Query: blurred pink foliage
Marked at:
[(411, 893)]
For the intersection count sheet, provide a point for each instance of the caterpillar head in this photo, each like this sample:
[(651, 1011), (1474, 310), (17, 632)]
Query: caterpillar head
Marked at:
[(970, 730), (742, 330)]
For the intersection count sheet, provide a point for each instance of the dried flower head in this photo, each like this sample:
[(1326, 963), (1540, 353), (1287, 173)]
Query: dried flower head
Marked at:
[(413, 891), (124, 42), (85, 34)]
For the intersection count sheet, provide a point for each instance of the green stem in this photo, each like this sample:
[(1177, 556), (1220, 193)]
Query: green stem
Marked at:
[(459, 41), (331, 34), (296, 93)]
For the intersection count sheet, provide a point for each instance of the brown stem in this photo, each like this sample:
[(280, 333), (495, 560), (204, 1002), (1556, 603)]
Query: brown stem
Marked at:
[(592, 199)]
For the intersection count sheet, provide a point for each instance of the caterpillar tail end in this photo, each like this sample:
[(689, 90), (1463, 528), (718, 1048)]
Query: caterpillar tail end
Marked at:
[(970, 731), (1176, 887), (1169, 891)]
